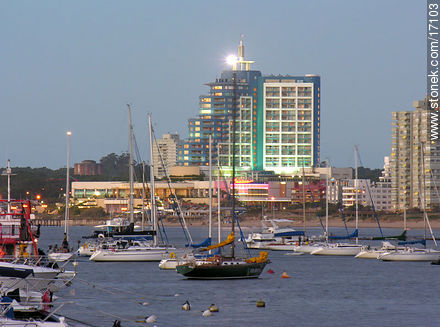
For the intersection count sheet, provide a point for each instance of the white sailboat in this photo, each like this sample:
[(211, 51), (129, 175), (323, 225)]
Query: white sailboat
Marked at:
[(342, 249), (138, 251), (64, 253)]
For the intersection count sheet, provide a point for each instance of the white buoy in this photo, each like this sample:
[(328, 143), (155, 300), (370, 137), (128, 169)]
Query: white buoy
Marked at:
[(186, 306), (207, 313), (151, 319), (145, 303), (176, 294)]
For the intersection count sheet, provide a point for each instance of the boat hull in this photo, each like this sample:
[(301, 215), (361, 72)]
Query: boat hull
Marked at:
[(153, 254), (224, 270), (371, 254), (410, 256), (338, 250)]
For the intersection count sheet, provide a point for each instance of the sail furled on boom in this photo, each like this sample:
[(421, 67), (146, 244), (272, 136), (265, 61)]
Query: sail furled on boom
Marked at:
[(205, 243), (352, 235), (229, 240)]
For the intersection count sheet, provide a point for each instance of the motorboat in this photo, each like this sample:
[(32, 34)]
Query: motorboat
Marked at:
[(411, 254), (33, 277), (343, 249), (171, 262), (273, 237), (23, 313)]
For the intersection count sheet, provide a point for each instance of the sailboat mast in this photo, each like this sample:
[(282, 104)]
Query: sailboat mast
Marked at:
[(143, 195), (66, 213), (218, 195), (152, 188), (326, 202), (210, 188), (234, 108), (9, 173), (131, 170), (356, 188), (304, 197)]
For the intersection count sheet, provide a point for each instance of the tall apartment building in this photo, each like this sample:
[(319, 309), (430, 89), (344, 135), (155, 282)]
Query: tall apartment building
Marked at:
[(277, 121), (415, 159), (165, 154)]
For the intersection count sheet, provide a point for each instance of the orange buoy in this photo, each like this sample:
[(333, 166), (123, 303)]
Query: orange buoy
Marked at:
[(284, 275)]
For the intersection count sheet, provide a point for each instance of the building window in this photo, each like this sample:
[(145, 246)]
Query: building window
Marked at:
[(304, 115), (288, 103), (272, 91), (288, 115), (272, 103), (288, 162), (272, 115), (288, 150), (304, 91), (288, 91), (272, 138), (304, 127), (272, 150), (272, 161), (288, 138), (304, 103), (304, 150), (272, 127), (288, 127)]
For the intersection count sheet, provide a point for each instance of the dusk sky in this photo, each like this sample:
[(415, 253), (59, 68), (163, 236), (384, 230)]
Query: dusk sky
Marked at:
[(74, 65)]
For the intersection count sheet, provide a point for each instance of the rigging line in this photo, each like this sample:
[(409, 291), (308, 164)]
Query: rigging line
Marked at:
[(103, 312), (106, 289), (371, 198), (176, 204)]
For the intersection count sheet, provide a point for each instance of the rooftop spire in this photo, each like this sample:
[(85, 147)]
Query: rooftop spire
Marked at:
[(240, 63)]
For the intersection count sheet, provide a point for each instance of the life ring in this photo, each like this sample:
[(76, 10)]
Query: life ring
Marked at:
[(101, 236), (172, 255)]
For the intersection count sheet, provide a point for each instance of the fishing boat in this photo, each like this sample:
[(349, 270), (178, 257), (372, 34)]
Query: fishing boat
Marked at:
[(64, 253), (18, 236), (223, 266), (141, 251)]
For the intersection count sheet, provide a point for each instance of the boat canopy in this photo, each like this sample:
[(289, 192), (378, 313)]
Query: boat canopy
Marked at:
[(352, 235), (229, 240), (290, 233), (205, 243)]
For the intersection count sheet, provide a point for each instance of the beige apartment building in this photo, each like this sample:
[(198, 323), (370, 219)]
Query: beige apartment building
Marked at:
[(415, 159)]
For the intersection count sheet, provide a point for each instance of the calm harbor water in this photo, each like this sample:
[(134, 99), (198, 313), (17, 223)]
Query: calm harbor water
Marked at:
[(322, 291)]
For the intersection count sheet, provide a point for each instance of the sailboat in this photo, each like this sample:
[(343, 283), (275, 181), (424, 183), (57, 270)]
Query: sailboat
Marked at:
[(226, 266), (187, 256), (64, 253), (137, 251), (342, 249)]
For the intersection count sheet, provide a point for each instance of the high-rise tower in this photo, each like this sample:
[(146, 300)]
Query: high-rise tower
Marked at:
[(277, 126)]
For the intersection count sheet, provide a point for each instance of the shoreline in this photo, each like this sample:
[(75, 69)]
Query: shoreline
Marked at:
[(333, 222)]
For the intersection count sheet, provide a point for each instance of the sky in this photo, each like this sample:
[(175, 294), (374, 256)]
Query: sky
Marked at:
[(74, 65)]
